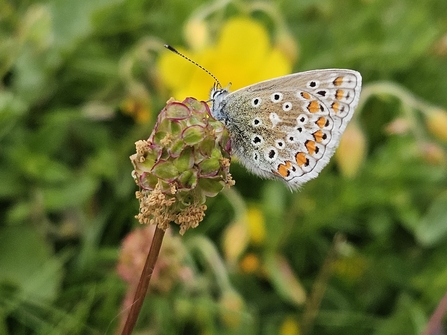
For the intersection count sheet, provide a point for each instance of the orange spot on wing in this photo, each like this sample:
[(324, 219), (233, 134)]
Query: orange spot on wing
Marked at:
[(318, 136), (283, 169), (301, 159), (305, 95), (313, 106), (310, 145), (338, 81), (321, 122), (335, 107), (339, 94)]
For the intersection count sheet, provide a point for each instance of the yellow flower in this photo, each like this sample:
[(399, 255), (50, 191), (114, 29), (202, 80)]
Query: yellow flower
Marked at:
[(196, 33), (250, 263), (256, 225), (242, 55), (351, 151), (436, 121), (249, 228), (350, 268), (289, 327), (139, 110), (235, 240), (231, 309)]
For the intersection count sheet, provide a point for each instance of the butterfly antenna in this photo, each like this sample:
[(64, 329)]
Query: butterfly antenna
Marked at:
[(167, 46)]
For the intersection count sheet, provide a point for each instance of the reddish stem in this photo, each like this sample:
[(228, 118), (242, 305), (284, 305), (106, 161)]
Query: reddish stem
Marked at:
[(143, 284), (434, 326)]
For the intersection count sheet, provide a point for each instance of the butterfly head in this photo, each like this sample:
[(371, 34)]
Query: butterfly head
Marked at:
[(217, 97)]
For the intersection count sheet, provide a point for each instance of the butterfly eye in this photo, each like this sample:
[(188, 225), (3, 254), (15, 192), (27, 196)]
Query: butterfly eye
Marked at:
[(256, 102), (215, 92)]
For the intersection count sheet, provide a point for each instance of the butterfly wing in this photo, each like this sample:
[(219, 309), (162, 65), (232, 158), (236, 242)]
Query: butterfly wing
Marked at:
[(289, 127)]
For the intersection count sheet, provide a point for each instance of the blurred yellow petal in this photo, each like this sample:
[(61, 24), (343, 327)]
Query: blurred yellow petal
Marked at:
[(437, 124), (287, 44), (143, 115), (350, 268), (289, 327), (196, 33), (174, 70), (235, 241), (275, 65), (250, 263), (283, 279), (139, 110), (256, 224), (243, 55), (183, 78), (351, 151), (240, 39), (231, 309)]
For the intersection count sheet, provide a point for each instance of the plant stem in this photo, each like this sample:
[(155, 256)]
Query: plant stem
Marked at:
[(434, 326), (319, 288), (143, 284)]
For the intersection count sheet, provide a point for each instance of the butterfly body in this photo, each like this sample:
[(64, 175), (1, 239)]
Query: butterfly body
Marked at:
[(288, 128)]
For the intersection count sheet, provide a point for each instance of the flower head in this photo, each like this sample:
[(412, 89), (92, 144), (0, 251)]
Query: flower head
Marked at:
[(240, 58), (186, 159)]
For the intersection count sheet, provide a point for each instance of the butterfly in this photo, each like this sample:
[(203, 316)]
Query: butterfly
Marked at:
[(288, 128)]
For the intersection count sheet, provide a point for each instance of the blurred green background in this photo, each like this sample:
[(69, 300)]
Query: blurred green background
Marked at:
[(81, 83)]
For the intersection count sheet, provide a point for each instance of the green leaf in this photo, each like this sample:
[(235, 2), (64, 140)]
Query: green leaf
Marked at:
[(26, 262), (72, 193), (11, 110), (433, 226), (284, 280), (407, 318)]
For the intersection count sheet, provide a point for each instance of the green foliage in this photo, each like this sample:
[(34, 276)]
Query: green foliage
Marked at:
[(76, 75)]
